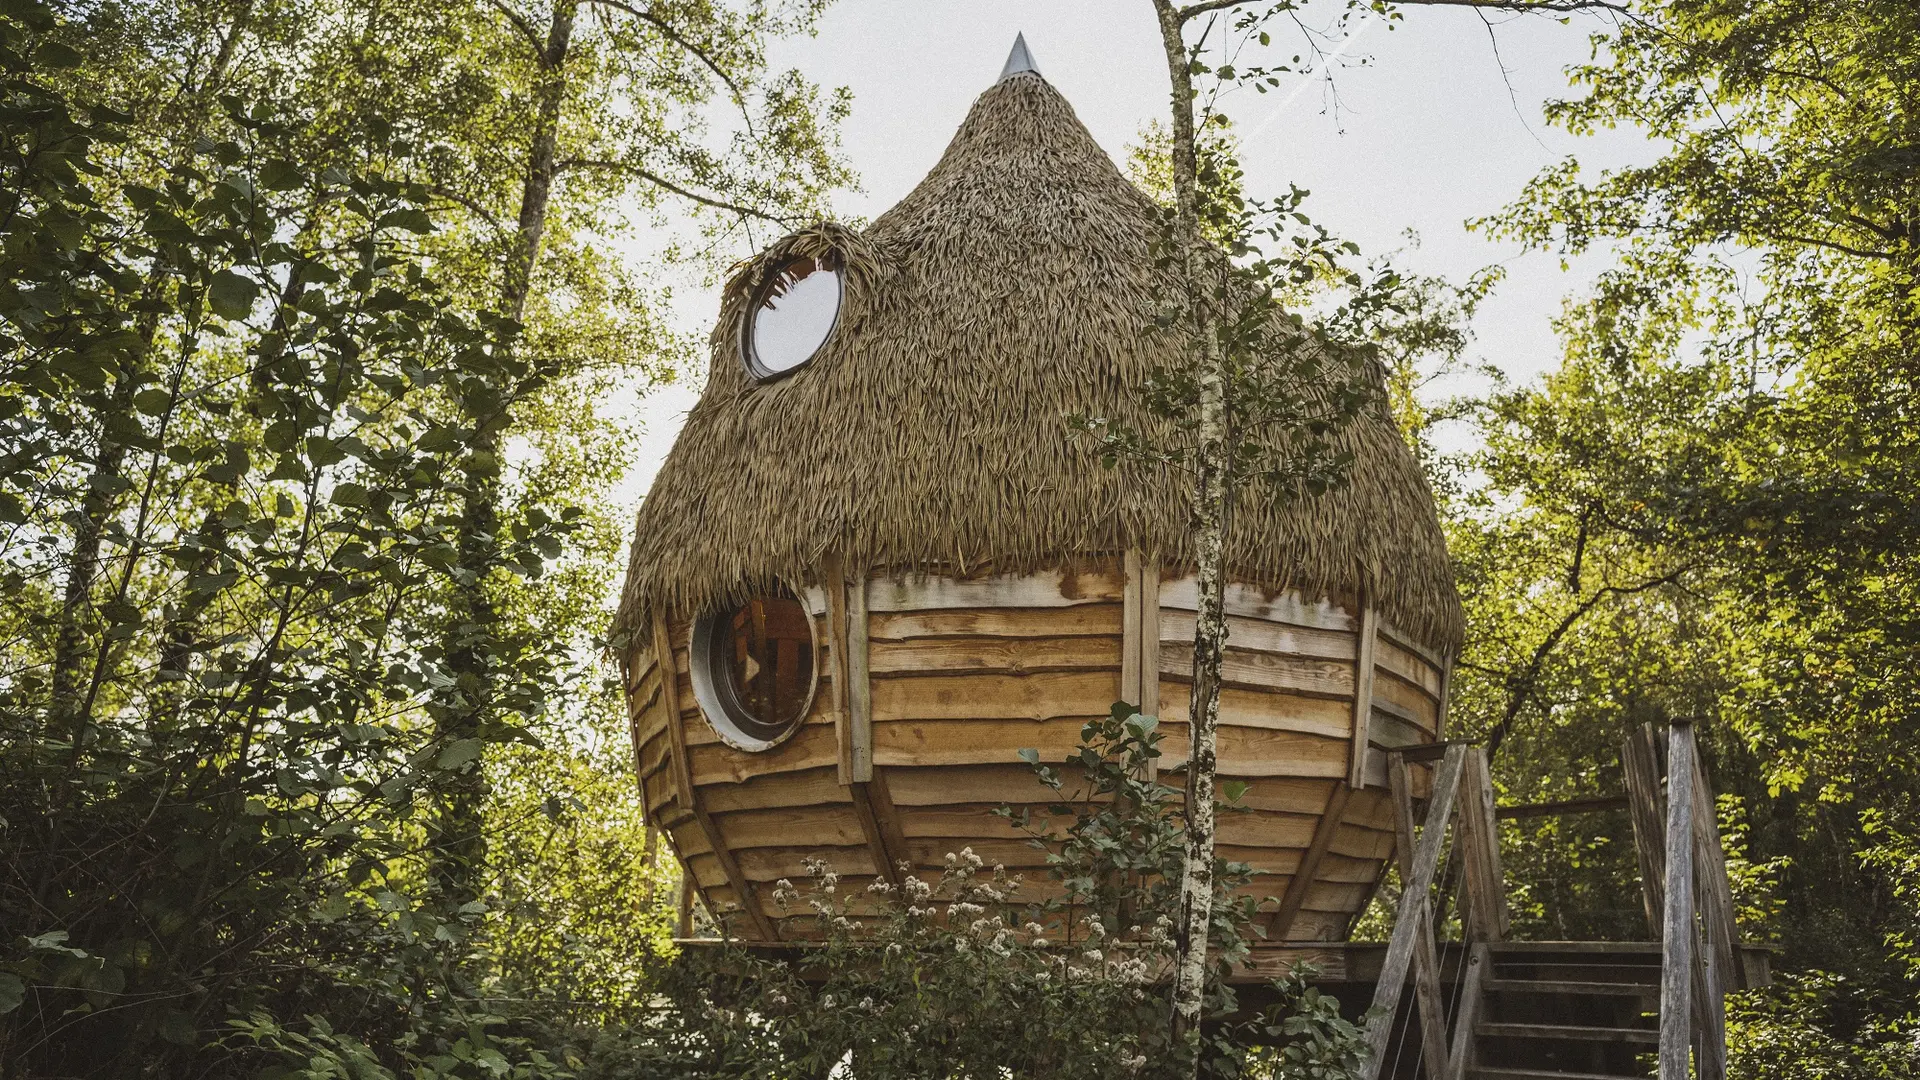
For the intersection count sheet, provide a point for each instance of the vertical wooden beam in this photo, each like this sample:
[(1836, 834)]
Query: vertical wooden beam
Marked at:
[(1446, 699), (1362, 692), (1461, 1054), (1480, 842), (859, 685), (684, 923), (1302, 880), (1150, 634), (1710, 879), (1407, 921), (833, 581), (689, 797), (1132, 633), (1677, 932), (1427, 999), (887, 819), (1649, 815), (1434, 1054), (677, 763)]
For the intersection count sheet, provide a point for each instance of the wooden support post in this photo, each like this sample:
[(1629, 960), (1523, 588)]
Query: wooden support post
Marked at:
[(689, 797), (1479, 969), (676, 724), (1486, 908), (1407, 922), (1426, 997), (1133, 651), (859, 685), (1647, 808), (1362, 692), (1710, 880), (1302, 880), (1677, 932), (1426, 962)]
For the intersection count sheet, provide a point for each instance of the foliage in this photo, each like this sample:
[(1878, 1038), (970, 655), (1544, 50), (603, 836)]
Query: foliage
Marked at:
[(1788, 1031), (966, 976), (251, 320)]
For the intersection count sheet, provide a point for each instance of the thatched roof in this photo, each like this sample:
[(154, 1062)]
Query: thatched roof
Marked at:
[(1012, 288)]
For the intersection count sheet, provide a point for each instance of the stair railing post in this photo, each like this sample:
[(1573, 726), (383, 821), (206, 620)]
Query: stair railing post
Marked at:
[(1647, 808), (1412, 917), (1678, 931)]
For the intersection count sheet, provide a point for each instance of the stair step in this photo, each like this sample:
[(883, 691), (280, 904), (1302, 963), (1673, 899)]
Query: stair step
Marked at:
[(1556, 986), (1567, 1031), (1483, 1073)]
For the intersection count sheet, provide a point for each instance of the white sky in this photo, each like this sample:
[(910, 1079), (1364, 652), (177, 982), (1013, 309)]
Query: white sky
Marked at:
[(1428, 134)]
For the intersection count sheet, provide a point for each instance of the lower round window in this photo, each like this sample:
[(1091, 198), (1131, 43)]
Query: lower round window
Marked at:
[(753, 669)]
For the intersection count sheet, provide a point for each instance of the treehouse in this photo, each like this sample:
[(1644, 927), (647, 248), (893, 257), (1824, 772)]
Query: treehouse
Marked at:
[(876, 566)]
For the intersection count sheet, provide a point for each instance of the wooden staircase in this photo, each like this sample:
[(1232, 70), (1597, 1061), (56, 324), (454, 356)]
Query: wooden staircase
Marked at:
[(1494, 1009), (1567, 1010)]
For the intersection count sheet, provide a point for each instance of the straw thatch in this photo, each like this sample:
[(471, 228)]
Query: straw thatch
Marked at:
[(1012, 288)]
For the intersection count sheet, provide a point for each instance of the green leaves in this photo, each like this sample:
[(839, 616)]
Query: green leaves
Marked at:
[(232, 295)]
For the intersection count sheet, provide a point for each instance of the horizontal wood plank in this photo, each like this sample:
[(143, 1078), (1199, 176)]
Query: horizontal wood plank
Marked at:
[(993, 654), (1013, 782), (1057, 588), (812, 747), (790, 826), (1246, 600), (1250, 752), (1035, 696), (974, 742), (1176, 628), (1405, 664), (767, 864), (1081, 620), (1407, 700), (1245, 669), (811, 787), (1270, 710)]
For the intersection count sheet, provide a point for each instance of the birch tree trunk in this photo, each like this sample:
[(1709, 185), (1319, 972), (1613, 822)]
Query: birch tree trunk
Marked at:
[(457, 826), (1208, 526)]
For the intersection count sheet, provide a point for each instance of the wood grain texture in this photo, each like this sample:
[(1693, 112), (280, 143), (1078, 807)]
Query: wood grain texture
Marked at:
[(1410, 917), (859, 684), (1250, 752), (1081, 620), (1041, 695), (835, 589), (1270, 710), (673, 719), (812, 747), (1403, 698), (1250, 669), (810, 787), (1176, 628), (1362, 693), (995, 655), (1407, 665), (1058, 588), (1281, 923), (1183, 594)]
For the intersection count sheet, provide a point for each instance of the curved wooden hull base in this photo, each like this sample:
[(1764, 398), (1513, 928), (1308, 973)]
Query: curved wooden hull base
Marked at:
[(930, 686)]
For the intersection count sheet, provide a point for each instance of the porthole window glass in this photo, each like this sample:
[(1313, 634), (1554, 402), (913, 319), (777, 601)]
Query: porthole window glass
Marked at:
[(753, 669), (792, 315)]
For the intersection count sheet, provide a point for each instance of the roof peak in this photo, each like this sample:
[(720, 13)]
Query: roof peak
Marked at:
[(1019, 60)]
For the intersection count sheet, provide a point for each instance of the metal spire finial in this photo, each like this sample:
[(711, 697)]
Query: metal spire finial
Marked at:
[(1019, 59)]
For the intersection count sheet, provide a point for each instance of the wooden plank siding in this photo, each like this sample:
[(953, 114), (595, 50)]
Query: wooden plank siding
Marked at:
[(962, 673)]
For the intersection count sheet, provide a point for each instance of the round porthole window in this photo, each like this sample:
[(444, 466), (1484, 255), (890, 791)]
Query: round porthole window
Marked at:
[(793, 314), (753, 669)]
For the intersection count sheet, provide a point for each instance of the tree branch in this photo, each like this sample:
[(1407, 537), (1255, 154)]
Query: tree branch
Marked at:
[(520, 23), (667, 185), (679, 39), (1204, 7), (1521, 686)]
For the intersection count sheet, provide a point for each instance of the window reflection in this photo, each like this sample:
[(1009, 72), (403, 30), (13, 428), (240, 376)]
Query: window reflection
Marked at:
[(795, 312)]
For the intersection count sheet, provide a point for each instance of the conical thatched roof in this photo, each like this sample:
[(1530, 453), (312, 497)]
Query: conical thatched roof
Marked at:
[(1012, 288)]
